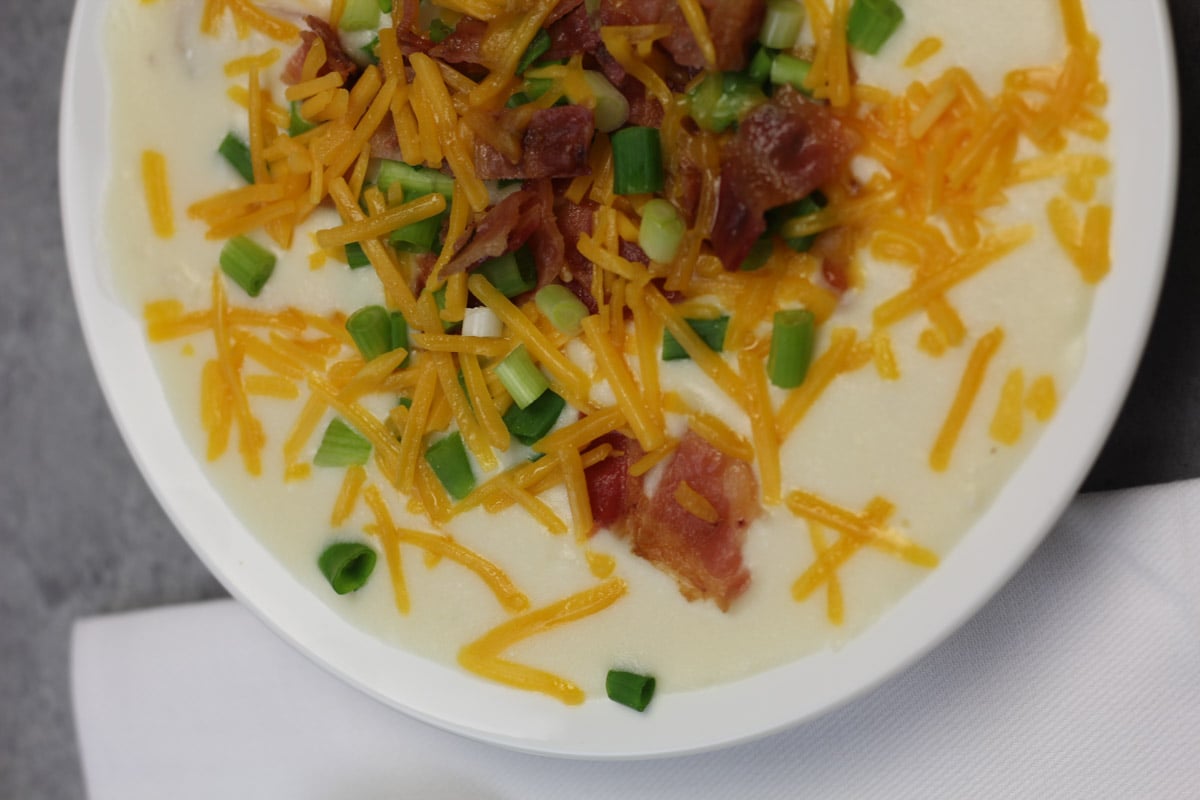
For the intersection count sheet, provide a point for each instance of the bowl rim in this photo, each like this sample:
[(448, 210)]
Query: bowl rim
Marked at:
[(677, 724)]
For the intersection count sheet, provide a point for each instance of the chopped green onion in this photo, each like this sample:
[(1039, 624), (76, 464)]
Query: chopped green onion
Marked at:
[(247, 263), (528, 425), (531, 90), (297, 124), (521, 377), (512, 273), (723, 98), (418, 237), (629, 688), (759, 254), (791, 347), (237, 153), (637, 161), (371, 50), (356, 258), (781, 24), (341, 446), (536, 49), (385, 6), (371, 329), (612, 109), (871, 23), (359, 15), (789, 70), (439, 297), (564, 310), (416, 181), (439, 31), (661, 231), (448, 458), (711, 331), (399, 334), (787, 217), (482, 322), (404, 401), (760, 65), (347, 566)]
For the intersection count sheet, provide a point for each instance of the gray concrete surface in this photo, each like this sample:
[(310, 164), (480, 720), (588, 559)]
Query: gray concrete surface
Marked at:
[(80, 533)]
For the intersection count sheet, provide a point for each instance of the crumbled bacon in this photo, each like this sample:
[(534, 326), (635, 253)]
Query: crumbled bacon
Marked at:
[(733, 25), (574, 220), (524, 217), (336, 59), (783, 150), (555, 144), (463, 45), (705, 558), (571, 32), (612, 491)]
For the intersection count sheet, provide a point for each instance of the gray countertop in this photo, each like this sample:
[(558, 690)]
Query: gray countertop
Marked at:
[(81, 534)]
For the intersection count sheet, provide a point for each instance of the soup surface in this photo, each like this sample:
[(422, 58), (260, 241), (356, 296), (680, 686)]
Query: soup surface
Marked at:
[(950, 285)]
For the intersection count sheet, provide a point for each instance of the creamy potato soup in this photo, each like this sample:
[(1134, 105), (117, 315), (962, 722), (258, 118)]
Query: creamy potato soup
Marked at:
[(680, 339)]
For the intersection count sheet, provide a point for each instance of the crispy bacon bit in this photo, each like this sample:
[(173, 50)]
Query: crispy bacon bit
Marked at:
[(704, 557), (612, 491), (733, 25), (574, 220), (783, 150), (524, 217), (554, 145), (336, 59), (571, 32), (463, 45)]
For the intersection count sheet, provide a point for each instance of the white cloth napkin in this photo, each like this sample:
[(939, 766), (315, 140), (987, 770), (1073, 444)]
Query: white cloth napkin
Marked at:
[(1080, 679)]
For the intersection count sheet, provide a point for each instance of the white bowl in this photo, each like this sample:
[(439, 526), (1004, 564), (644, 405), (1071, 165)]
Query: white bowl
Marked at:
[(1138, 62)]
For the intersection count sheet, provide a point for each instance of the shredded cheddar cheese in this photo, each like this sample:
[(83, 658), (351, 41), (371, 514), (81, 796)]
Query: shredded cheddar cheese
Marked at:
[(964, 399), (158, 193)]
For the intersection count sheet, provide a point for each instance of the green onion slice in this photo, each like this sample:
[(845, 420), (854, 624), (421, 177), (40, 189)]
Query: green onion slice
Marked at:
[(564, 310), (347, 566), (237, 153), (661, 231), (448, 459), (760, 65), (439, 30), (711, 331), (791, 347), (629, 688), (342, 446), (247, 263), (789, 70), (385, 6), (637, 161), (759, 255), (371, 329), (512, 273), (781, 24), (297, 124), (359, 15), (536, 49), (530, 424), (612, 109), (399, 332), (871, 23), (416, 181), (356, 257), (721, 99), (521, 377)]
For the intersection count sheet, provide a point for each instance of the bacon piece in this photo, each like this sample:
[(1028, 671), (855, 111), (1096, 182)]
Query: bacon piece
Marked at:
[(336, 59), (554, 145), (733, 25), (574, 220), (572, 32), (524, 217), (705, 558), (783, 150), (612, 491), (463, 45)]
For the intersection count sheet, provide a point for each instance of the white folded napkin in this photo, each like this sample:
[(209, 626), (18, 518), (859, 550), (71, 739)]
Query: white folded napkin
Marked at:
[(1080, 679)]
